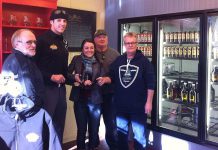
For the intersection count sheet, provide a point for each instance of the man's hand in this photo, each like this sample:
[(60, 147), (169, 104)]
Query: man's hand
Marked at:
[(148, 107), (58, 78)]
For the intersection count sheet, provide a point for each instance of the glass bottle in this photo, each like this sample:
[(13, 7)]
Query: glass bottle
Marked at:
[(170, 91), (214, 74), (184, 93), (212, 94), (192, 94), (164, 88)]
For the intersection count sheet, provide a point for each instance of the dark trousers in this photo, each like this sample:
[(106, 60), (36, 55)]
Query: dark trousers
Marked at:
[(55, 104), (87, 113), (138, 122), (108, 112)]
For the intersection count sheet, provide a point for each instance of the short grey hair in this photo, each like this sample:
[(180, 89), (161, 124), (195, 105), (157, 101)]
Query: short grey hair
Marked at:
[(16, 36), (130, 34)]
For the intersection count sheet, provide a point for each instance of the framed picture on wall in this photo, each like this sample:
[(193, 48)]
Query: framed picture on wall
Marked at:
[(81, 25)]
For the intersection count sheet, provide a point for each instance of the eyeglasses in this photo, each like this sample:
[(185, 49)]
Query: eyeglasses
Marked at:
[(130, 43), (57, 12), (30, 42)]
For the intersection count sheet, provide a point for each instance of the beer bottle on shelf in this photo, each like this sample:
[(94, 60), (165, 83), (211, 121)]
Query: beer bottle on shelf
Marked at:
[(175, 37), (179, 37), (170, 91), (180, 87), (180, 52), (189, 54), (167, 36), (183, 37), (214, 74), (197, 36), (169, 52), (185, 52), (197, 92), (176, 51), (165, 51), (192, 36), (184, 93), (175, 90), (171, 37), (192, 94), (164, 88), (145, 37), (194, 52), (172, 51), (187, 36), (212, 94), (198, 49)]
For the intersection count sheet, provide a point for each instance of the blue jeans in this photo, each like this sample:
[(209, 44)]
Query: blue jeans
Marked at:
[(87, 113), (138, 122), (108, 112)]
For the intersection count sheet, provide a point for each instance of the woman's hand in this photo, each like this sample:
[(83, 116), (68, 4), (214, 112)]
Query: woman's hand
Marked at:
[(87, 82)]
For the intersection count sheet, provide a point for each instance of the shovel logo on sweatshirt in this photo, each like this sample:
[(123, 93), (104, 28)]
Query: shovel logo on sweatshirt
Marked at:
[(128, 74)]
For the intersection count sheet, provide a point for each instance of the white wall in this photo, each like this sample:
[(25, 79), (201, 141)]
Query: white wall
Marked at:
[(117, 9), (97, 6)]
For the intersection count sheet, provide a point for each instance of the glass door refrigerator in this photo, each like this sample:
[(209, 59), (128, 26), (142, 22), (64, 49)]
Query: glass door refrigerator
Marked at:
[(178, 75), (143, 27), (212, 79)]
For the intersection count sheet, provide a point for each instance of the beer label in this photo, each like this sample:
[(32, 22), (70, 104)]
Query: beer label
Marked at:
[(180, 51), (179, 36), (183, 36), (184, 52), (165, 51), (187, 36), (172, 51), (189, 52), (192, 36), (167, 36), (171, 36), (194, 52), (196, 36), (169, 51), (176, 51), (175, 36)]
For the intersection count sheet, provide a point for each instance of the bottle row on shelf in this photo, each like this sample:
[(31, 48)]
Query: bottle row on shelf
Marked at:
[(144, 37), (191, 52), (179, 37), (146, 50), (186, 92)]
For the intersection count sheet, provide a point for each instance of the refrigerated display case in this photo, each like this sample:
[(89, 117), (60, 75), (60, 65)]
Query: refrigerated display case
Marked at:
[(178, 74), (144, 31), (212, 79)]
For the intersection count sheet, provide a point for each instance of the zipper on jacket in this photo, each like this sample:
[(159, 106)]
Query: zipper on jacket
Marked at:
[(17, 131)]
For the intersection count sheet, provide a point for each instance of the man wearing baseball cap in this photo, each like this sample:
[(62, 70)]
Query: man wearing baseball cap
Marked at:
[(52, 60), (106, 56)]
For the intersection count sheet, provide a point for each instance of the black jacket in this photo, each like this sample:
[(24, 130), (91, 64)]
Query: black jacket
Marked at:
[(51, 56), (27, 74), (77, 92)]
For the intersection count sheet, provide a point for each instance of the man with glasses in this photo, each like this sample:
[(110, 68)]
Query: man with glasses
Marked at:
[(106, 56), (24, 124), (134, 80), (21, 65), (52, 60)]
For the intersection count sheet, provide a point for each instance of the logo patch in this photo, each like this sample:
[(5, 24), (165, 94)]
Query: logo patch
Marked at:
[(53, 47), (32, 137), (128, 74)]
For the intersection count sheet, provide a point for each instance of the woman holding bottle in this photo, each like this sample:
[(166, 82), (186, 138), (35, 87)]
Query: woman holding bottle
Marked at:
[(86, 94)]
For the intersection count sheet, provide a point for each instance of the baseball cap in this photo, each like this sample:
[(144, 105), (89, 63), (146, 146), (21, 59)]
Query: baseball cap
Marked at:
[(100, 32), (58, 13)]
